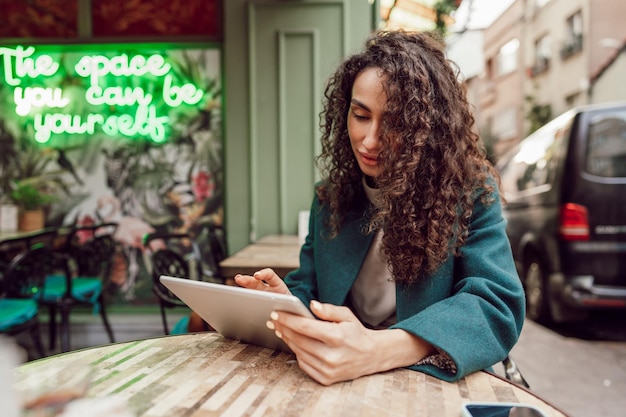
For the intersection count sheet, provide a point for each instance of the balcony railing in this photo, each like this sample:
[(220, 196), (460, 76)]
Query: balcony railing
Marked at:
[(541, 66), (572, 46)]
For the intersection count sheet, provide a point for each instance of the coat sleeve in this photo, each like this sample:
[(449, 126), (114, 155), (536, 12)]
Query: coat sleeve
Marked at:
[(479, 323), (302, 282)]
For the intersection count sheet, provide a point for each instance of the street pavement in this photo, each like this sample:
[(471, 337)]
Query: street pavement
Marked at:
[(583, 378)]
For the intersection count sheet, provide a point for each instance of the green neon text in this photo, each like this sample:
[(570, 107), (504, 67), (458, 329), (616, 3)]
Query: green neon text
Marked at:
[(98, 66), (120, 104), (117, 96), (145, 123), (27, 98), (175, 96), (25, 66)]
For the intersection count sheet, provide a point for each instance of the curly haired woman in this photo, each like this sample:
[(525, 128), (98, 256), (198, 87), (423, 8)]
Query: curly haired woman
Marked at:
[(406, 262)]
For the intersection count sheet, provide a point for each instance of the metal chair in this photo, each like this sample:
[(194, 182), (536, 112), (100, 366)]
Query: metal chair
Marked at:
[(22, 277), (23, 282), (19, 316), (176, 255), (83, 266)]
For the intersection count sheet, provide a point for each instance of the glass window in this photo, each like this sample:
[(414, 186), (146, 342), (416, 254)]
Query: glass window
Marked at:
[(543, 51), (489, 68), (573, 35), (574, 27), (507, 57), (505, 123), (532, 163), (606, 145)]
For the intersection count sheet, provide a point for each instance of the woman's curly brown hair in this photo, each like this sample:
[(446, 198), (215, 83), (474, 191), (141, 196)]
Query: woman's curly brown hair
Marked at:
[(432, 163)]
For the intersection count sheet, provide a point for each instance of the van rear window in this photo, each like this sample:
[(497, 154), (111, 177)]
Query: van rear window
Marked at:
[(606, 145), (531, 164)]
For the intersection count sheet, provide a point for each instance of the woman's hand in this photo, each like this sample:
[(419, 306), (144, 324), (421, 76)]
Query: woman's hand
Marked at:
[(264, 280), (339, 348)]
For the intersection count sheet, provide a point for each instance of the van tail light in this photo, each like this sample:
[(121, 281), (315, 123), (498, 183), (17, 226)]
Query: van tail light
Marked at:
[(574, 222)]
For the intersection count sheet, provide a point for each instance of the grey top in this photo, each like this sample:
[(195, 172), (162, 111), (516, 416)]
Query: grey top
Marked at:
[(373, 295)]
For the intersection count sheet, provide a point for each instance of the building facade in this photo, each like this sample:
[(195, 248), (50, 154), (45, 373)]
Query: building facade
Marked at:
[(542, 57), (499, 100)]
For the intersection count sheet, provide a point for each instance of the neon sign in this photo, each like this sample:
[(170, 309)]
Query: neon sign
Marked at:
[(125, 92)]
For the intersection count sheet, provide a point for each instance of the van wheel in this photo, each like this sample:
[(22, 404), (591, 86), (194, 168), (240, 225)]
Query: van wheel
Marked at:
[(537, 298)]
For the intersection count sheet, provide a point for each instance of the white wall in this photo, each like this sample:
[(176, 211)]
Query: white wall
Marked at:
[(611, 85)]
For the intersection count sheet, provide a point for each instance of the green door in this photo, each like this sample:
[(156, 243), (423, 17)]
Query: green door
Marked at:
[(293, 48)]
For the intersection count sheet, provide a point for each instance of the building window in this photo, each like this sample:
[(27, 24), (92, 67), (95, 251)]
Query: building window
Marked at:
[(507, 57), (504, 124), (489, 69), (542, 55), (606, 151), (573, 35)]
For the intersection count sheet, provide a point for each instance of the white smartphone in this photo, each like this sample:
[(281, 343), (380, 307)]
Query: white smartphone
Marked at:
[(486, 409)]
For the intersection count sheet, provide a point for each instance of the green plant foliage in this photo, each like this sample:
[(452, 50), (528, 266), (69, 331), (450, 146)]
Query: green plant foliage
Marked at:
[(538, 114), (443, 9), (29, 197)]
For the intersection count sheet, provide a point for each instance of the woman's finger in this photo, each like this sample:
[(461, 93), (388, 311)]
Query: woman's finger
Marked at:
[(303, 331), (271, 279), (248, 281), (263, 280), (331, 312)]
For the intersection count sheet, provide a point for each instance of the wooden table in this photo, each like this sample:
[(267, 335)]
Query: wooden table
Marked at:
[(18, 234), (204, 374), (279, 252), (51, 234)]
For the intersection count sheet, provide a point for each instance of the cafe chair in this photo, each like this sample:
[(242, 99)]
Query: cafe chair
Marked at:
[(176, 255), (213, 238), (83, 267), (19, 312), (21, 285), (19, 316)]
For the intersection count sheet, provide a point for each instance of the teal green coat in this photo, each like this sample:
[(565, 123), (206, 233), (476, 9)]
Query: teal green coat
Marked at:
[(472, 307)]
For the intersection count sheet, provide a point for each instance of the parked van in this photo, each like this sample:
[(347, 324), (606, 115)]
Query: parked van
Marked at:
[(565, 187)]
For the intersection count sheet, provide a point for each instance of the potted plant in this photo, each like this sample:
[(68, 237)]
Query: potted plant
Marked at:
[(32, 202), (31, 178)]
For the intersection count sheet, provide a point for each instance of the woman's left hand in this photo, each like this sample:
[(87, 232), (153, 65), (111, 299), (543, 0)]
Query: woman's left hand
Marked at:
[(339, 348)]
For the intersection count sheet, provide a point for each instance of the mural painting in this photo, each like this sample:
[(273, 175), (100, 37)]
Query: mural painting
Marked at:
[(125, 133)]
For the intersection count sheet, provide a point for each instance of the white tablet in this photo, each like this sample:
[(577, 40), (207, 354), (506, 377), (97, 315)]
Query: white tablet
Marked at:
[(236, 312)]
